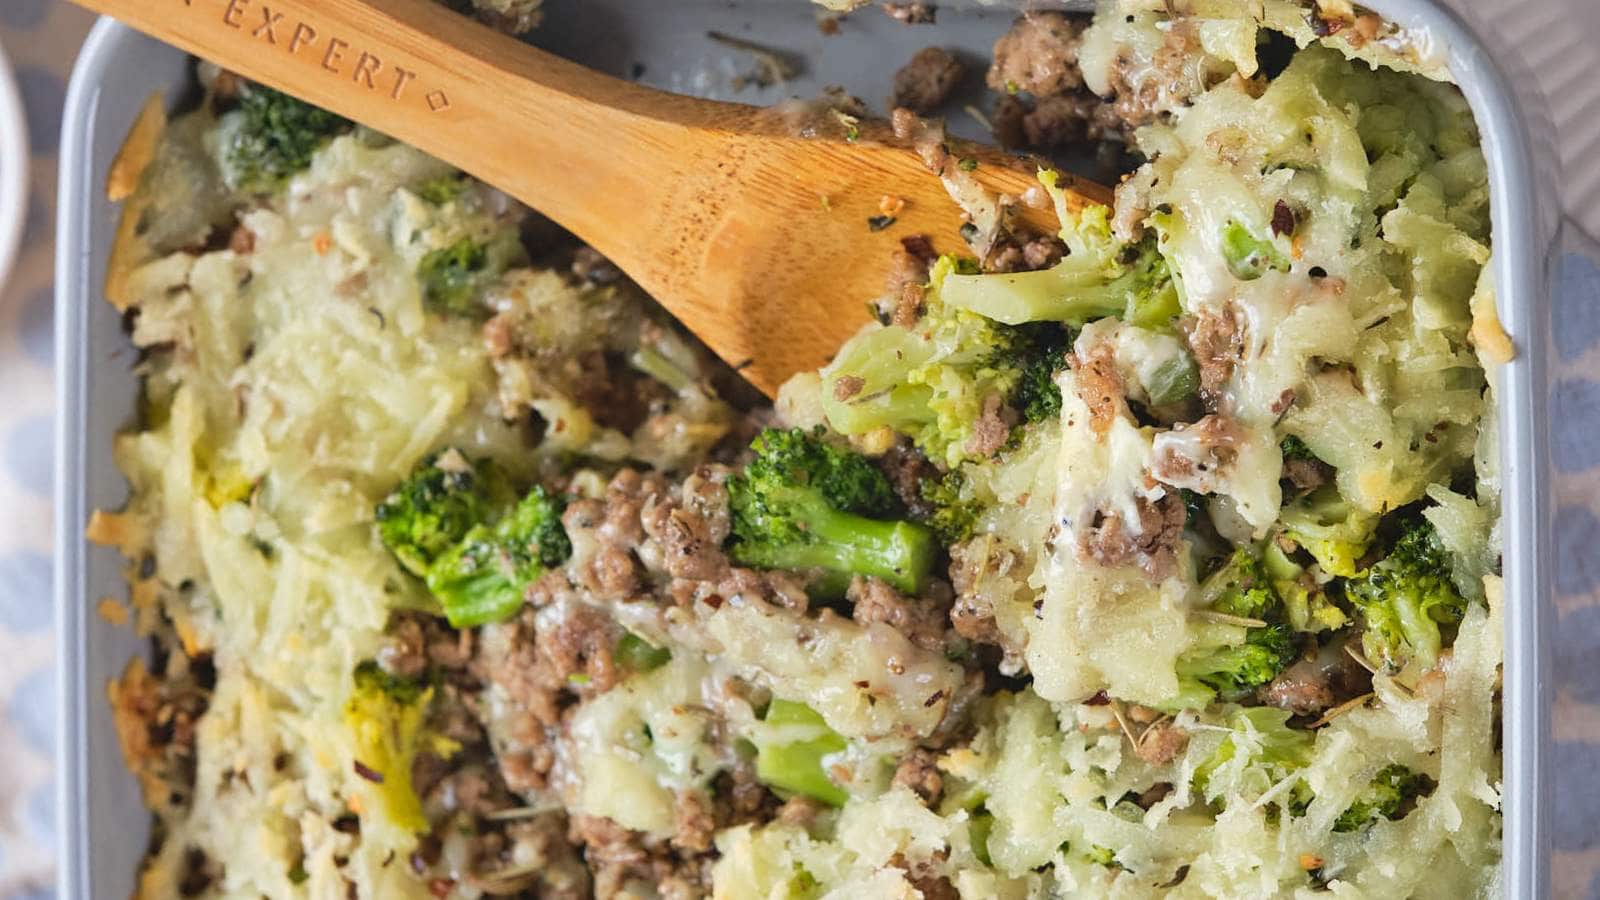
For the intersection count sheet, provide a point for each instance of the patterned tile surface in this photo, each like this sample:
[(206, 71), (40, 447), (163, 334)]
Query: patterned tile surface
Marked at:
[(42, 37)]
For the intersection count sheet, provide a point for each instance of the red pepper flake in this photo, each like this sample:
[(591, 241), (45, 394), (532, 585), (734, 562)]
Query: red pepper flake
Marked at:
[(1283, 219), (714, 601), (369, 773), (935, 698), (1100, 698)]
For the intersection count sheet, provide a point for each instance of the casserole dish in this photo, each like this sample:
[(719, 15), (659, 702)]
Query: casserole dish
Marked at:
[(102, 818)]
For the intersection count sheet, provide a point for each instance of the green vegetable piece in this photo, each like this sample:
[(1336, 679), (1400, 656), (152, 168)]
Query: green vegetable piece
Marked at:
[(1404, 599), (443, 189), (1232, 672), (449, 275), (453, 277), (1336, 534), (978, 831), (1043, 352), (1247, 256), (1174, 381), (636, 654), (385, 715), (801, 504), (1242, 588), (1295, 448), (953, 517), (435, 507), (1104, 856), (1387, 796), (797, 765), (272, 137), (483, 578)]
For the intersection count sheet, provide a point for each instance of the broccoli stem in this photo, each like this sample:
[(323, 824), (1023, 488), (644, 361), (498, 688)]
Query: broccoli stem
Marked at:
[(798, 765), (845, 544)]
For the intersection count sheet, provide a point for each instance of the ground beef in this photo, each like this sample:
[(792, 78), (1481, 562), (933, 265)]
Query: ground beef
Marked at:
[(1058, 121), (923, 84), (1196, 456), (1302, 689), (524, 725), (1216, 343), (694, 824), (1038, 55), (921, 620), (993, 427), (1143, 94), (1161, 743), (1307, 474), (1153, 546), (404, 652), (800, 811), (911, 12), (907, 468), (741, 797), (691, 525), (919, 771), (619, 858), (1319, 683), (1098, 385), (1021, 253), (577, 646), (905, 269), (973, 613), (605, 534), (924, 876), (909, 304)]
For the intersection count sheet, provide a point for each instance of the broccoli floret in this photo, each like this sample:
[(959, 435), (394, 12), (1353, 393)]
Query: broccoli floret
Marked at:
[(385, 715), (1404, 599), (1335, 534), (790, 746), (483, 577), (930, 381), (1240, 588), (1306, 604), (273, 137), (454, 277), (1389, 795), (803, 504), (1249, 257), (442, 189), (437, 505), (953, 515), (1232, 669), (1044, 346)]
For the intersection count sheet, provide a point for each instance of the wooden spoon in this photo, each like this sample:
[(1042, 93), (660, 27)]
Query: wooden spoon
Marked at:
[(750, 225)]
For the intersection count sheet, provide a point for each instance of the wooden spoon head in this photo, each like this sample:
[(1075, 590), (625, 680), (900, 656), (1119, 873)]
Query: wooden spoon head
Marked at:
[(776, 252)]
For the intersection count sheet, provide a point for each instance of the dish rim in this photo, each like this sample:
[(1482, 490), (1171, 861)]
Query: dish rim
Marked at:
[(1523, 247)]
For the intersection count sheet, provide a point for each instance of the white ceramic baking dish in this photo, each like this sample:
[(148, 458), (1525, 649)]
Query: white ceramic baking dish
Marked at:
[(102, 823)]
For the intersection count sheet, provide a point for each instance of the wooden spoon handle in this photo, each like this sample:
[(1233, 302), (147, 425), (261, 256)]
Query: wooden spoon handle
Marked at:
[(408, 68), (751, 225)]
